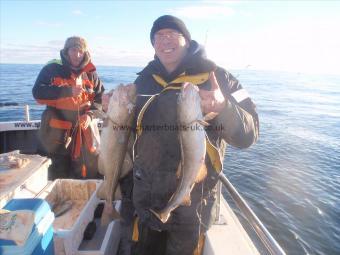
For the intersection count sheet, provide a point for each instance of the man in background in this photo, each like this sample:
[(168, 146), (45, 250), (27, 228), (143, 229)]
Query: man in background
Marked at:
[(71, 90)]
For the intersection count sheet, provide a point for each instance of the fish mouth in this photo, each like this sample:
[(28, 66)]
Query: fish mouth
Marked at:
[(189, 90), (163, 217), (189, 86)]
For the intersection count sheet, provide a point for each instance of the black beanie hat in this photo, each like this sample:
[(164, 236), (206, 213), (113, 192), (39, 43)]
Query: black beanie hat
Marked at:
[(168, 21)]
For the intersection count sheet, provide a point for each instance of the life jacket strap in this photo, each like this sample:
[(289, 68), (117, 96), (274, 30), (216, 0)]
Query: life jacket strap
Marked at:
[(83, 136), (196, 79), (214, 155)]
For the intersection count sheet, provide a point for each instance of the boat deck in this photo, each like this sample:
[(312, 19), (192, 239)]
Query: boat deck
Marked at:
[(225, 237), (228, 236)]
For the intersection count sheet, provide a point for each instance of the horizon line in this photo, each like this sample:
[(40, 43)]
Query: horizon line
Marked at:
[(248, 67)]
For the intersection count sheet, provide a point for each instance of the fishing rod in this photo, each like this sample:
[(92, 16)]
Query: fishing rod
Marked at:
[(267, 239)]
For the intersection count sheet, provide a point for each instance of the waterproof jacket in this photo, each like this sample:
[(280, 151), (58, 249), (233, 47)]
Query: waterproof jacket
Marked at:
[(53, 88), (157, 148)]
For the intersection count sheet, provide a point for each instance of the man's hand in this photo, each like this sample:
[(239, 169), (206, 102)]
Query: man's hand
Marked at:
[(76, 90), (213, 100), (85, 121)]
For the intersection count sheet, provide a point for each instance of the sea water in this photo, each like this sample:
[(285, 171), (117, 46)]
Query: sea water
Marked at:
[(290, 177)]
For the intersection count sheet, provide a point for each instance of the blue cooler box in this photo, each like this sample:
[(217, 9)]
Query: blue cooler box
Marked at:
[(40, 240)]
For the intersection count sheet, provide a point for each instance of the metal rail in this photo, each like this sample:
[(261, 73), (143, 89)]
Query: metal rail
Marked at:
[(267, 239)]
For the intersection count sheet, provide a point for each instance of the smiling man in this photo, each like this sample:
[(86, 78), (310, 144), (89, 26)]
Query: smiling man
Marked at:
[(179, 60), (170, 47)]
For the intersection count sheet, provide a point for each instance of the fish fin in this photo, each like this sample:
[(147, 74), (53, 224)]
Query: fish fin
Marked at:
[(206, 118), (105, 220), (100, 114), (118, 194), (127, 165), (101, 192), (202, 173), (100, 166), (116, 215), (203, 122), (179, 170), (186, 200), (210, 116), (106, 215), (162, 216)]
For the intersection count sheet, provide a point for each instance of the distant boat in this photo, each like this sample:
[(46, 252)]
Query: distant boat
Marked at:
[(8, 104)]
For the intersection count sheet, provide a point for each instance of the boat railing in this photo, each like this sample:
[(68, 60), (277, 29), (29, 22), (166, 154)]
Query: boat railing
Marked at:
[(264, 235)]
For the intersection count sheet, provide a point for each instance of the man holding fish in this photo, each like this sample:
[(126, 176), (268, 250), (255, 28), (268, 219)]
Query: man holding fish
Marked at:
[(173, 210), (186, 110)]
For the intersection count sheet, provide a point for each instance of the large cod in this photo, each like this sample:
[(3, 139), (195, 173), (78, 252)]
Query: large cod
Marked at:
[(192, 168), (113, 161)]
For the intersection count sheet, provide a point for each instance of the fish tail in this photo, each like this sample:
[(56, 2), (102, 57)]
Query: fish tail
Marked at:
[(101, 192), (106, 219), (116, 215), (162, 216), (109, 214)]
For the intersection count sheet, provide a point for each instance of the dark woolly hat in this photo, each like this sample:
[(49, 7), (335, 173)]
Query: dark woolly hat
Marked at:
[(75, 41), (172, 22)]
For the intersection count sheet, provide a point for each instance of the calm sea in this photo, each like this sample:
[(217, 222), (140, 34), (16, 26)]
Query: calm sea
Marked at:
[(291, 177)]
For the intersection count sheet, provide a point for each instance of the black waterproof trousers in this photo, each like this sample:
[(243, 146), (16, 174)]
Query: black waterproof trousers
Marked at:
[(179, 236)]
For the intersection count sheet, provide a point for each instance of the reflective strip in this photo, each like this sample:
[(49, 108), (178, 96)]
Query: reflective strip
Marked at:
[(240, 95), (135, 232), (60, 124)]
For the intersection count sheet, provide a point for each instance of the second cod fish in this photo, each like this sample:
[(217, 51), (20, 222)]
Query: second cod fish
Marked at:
[(192, 168)]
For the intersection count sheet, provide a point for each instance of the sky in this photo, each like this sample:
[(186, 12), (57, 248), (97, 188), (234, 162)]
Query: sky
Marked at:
[(298, 36)]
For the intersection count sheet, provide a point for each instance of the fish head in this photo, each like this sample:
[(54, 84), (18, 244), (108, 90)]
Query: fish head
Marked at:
[(189, 103), (122, 103)]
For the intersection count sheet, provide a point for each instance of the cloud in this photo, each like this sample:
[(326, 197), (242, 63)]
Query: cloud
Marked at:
[(207, 11), (297, 45), (104, 38), (34, 54), (42, 23), (59, 43), (120, 57), (77, 13), (40, 54)]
